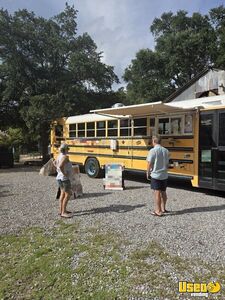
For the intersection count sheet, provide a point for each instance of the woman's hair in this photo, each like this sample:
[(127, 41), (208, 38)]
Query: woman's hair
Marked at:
[(63, 148)]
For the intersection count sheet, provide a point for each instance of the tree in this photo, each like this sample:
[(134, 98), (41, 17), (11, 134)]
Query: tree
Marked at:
[(46, 70), (217, 16), (184, 46), (186, 43), (146, 78)]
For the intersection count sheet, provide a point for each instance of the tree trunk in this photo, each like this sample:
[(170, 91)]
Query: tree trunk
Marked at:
[(45, 129)]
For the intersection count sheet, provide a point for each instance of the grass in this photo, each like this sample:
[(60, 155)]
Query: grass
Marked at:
[(70, 263)]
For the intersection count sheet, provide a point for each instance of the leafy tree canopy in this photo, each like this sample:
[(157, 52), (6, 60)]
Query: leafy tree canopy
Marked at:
[(47, 70), (11, 137), (184, 45), (145, 77)]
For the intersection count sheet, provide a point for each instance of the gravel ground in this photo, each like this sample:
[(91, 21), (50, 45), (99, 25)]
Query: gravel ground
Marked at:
[(193, 229)]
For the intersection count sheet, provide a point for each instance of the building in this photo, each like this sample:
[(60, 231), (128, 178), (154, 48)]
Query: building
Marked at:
[(209, 82)]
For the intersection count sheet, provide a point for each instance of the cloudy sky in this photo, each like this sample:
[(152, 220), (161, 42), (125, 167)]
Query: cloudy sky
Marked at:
[(119, 27)]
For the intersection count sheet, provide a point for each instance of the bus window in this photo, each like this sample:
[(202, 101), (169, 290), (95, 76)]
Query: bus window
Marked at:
[(72, 130), (81, 130), (125, 129), (140, 127), (113, 128), (90, 129), (176, 125), (59, 130), (164, 126), (101, 128)]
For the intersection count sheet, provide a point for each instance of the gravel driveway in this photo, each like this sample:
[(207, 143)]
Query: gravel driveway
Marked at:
[(194, 228)]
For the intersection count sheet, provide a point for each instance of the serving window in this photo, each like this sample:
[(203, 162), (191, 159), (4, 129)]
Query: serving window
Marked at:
[(188, 124), (164, 126), (175, 125)]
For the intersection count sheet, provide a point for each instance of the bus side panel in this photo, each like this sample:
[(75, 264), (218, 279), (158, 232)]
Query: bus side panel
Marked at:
[(181, 155), (132, 153), (81, 149)]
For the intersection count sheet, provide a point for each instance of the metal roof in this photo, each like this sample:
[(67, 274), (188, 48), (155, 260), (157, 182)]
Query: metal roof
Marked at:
[(189, 83), (204, 102)]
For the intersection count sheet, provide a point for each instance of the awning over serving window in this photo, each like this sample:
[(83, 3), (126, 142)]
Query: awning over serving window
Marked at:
[(140, 109), (163, 108)]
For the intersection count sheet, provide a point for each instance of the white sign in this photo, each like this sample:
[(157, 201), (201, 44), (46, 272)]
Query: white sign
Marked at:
[(113, 177)]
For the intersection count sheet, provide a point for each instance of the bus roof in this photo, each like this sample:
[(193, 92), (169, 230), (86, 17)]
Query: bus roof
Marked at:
[(204, 102), (159, 107)]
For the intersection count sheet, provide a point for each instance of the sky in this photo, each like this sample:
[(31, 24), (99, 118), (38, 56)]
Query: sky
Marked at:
[(120, 28)]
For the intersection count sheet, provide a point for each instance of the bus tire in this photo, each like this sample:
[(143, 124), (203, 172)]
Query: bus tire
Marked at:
[(92, 168)]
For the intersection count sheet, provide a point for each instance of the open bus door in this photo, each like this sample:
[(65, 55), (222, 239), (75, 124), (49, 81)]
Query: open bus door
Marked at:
[(212, 149)]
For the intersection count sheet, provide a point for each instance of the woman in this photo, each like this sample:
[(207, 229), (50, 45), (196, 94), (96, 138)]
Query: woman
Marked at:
[(64, 170)]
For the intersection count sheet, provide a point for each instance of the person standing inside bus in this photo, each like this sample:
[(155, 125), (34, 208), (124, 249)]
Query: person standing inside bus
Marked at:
[(157, 165), (64, 170)]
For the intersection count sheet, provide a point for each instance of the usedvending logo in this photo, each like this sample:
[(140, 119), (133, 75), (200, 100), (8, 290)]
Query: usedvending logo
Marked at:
[(199, 289)]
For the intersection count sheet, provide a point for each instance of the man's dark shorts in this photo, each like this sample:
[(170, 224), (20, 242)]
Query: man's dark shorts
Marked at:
[(65, 185), (159, 185)]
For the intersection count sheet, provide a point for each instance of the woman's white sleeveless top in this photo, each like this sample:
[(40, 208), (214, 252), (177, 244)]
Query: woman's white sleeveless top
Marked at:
[(67, 168)]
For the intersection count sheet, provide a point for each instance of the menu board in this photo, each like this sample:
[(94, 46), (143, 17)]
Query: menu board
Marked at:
[(113, 177)]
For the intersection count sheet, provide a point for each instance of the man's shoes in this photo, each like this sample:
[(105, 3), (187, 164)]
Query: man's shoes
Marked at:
[(155, 214), (67, 212)]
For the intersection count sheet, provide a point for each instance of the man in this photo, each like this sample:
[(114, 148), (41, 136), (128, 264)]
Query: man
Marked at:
[(157, 165)]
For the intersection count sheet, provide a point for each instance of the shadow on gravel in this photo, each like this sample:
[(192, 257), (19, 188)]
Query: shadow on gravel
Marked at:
[(19, 168), (5, 193), (135, 187), (177, 183), (90, 195), (199, 209), (111, 208)]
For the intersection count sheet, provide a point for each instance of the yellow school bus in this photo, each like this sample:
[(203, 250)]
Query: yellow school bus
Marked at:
[(193, 131)]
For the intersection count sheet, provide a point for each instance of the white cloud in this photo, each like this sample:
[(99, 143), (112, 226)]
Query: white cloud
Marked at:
[(116, 29), (119, 27)]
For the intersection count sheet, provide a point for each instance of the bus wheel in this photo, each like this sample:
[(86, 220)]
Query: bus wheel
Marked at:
[(92, 168)]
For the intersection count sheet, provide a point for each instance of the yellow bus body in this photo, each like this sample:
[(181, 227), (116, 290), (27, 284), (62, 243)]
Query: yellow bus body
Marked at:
[(131, 149)]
